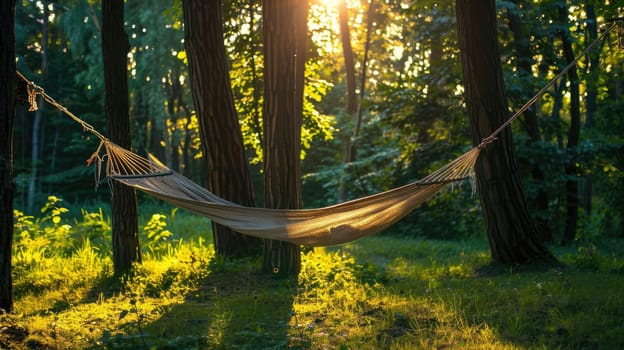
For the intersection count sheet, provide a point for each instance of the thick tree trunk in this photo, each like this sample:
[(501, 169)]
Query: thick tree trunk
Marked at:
[(512, 234), (285, 32), (7, 115), (115, 47), (222, 141), (524, 63), (571, 167)]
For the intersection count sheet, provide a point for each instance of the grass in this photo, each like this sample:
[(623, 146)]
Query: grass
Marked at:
[(377, 293)]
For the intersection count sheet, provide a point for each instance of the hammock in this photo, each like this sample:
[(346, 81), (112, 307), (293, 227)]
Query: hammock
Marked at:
[(336, 224), (333, 225)]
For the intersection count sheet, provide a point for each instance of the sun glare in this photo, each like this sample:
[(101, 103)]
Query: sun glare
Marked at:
[(329, 3), (323, 23), (335, 3)]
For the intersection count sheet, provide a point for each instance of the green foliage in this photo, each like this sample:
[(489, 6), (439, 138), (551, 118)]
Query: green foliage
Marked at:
[(156, 232), (47, 231)]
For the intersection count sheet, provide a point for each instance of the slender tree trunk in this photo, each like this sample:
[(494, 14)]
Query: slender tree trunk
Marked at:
[(349, 59), (524, 63), (39, 113), (591, 98), (594, 67), (172, 111), (369, 30), (555, 114), (7, 116), (222, 141), (351, 105), (285, 32), (512, 234), (571, 167), (124, 216)]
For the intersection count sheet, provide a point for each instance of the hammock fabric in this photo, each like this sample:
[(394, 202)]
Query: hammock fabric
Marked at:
[(337, 224)]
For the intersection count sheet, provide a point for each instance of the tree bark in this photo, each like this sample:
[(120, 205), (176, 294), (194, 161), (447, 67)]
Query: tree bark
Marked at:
[(285, 33), (115, 47), (512, 234), (7, 116), (222, 140), (571, 167)]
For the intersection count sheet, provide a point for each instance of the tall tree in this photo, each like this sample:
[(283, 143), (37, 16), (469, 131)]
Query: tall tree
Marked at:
[(591, 99), (222, 142), (347, 53), (351, 105), (115, 48), (7, 115), (571, 167), (285, 33), (512, 234)]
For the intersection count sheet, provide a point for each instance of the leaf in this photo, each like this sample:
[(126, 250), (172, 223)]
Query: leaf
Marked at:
[(123, 314)]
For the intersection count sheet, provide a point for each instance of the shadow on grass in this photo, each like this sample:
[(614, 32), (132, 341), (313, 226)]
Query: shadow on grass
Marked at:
[(234, 306), (473, 303)]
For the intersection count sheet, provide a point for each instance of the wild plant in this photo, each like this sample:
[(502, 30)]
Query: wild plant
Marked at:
[(157, 235)]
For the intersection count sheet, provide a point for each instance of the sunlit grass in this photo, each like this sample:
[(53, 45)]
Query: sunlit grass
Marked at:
[(378, 293)]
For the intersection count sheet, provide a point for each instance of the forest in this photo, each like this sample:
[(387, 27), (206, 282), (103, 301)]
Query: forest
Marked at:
[(503, 118)]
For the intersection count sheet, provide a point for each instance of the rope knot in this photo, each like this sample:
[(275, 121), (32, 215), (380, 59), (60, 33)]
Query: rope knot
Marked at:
[(486, 141), (33, 90)]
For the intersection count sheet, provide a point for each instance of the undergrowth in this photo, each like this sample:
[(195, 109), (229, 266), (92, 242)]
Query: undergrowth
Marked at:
[(377, 293)]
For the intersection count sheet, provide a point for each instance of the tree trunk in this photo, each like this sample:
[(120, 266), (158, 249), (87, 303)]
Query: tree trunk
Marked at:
[(367, 42), (124, 216), (222, 141), (512, 234), (524, 63), (7, 116), (285, 32), (39, 113), (571, 168), (172, 112), (591, 98), (351, 105), (347, 52)]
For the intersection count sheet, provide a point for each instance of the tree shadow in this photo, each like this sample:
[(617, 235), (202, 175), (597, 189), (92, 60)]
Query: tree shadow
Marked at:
[(234, 306), (542, 304)]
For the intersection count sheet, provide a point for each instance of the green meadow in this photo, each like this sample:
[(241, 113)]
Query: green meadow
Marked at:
[(382, 292)]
